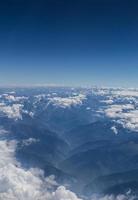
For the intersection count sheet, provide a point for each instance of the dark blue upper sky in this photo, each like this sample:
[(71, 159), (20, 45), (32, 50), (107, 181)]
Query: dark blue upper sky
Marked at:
[(70, 42)]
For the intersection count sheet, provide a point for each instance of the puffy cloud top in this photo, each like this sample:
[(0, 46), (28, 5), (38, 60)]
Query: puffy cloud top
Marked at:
[(67, 101), (12, 111)]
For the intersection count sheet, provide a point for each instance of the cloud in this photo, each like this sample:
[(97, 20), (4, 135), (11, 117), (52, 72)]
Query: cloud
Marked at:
[(11, 111), (120, 105), (63, 194), (67, 101), (125, 92), (126, 115), (12, 98), (129, 120), (114, 111), (108, 101), (29, 141), (114, 129)]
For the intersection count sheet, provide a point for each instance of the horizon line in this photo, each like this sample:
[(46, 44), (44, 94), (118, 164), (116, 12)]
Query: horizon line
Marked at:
[(64, 86)]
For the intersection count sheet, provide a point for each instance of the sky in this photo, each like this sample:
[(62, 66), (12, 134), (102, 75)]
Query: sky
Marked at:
[(69, 42)]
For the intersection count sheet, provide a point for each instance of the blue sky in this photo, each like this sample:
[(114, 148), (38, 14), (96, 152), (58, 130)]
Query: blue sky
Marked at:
[(76, 42)]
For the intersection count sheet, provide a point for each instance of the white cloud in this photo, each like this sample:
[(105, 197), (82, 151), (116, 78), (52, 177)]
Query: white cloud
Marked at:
[(13, 98), (120, 106), (12, 111), (125, 114), (63, 194), (126, 92), (114, 129), (7, 150), (129, 120), (108, 101), (31, 114), (114, 111), (67, 101)]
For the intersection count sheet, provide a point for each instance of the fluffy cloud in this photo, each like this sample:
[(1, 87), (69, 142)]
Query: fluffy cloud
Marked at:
[(129, 120), (125, 92), (119, 105), (67, 101), (114, 111), (62, 194), (12, 111), (125, 114), (13, 98)]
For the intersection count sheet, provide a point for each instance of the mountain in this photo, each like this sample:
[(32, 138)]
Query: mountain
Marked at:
[(112, 183), (86, 139)]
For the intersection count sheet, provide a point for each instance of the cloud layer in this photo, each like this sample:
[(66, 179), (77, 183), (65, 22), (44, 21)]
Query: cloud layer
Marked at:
[(120, 105)]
